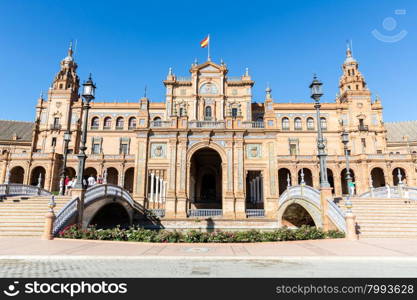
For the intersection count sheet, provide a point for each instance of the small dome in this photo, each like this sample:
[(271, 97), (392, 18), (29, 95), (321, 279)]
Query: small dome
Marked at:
[(268, 89), (350, 59)]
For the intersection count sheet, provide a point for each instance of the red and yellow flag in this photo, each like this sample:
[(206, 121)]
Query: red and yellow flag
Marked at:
[(204, 43)]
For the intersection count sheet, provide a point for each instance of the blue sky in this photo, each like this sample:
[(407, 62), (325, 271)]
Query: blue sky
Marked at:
[(130, 44)]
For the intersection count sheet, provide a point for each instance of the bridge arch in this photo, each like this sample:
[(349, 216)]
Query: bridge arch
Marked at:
[(308, 199)]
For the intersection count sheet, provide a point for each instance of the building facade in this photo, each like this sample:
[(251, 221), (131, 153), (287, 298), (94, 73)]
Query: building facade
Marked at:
[(210, 145)]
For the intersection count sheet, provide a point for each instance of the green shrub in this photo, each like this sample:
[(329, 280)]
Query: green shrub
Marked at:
[(135, 234)]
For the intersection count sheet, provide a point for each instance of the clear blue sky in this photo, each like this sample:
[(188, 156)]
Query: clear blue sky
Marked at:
[(130, 44)]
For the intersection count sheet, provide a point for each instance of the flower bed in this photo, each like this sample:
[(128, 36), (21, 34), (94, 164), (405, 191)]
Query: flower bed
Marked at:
[(135, 234)]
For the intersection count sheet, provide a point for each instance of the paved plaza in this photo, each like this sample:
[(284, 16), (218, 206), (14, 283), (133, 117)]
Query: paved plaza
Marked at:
[(32, 257)]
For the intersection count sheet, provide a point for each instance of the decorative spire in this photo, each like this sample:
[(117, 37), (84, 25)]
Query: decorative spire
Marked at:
[(247, 72), (349, 57), (268, 91), (170, 71), (221, 61), (70, 52)]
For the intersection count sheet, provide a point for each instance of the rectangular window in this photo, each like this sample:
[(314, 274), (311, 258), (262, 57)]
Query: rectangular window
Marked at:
[(124, 149), (96, 148), (234, 112), (293, 149), (53, 144), (363, 141), (56, 122)]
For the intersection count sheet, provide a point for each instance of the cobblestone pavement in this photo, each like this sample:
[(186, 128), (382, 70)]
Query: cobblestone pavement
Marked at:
[(32, 257), (198, 267)]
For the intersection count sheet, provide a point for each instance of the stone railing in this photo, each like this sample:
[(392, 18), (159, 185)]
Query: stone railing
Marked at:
[(234, 78), (391, 192), (17, 189), (163, 124), (312, 196), (204, 212), (256, 124), (20, 155), (206, 124), (255, 213), (160, 213), (69, 211)]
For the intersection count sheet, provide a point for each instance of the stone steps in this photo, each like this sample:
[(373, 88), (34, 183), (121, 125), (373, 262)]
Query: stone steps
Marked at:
[(384, 218), (23, 216)]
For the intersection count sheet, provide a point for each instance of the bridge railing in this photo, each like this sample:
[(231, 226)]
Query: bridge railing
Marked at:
[(92, 194), (312, 195), (17, 189), (405, 192)]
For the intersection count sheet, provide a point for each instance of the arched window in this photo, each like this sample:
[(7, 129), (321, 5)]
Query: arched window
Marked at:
[(207, 113), (132, 123), (298, 124), (120, 121), (285, 124), (310, 124), (323, 123), (107, 123), (95, 122), (157, 122)]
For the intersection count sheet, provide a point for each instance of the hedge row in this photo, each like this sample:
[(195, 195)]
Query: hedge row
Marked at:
[(135, 234)]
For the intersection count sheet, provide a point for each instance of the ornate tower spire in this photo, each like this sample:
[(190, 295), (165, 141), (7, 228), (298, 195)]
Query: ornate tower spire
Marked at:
[(352, 79), (67, 79)]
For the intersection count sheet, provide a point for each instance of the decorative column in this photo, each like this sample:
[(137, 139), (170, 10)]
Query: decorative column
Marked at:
[(170, 200), (151, 192)]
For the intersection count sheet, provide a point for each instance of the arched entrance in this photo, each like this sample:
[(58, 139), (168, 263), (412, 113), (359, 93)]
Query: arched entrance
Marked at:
[(90, 172), (295, 216), (111, 215), (308, 177), (283, 176), (112, 176), (36, 174), (330, 178), (70, 172), (206, 179), (345, 190), (395, 177), (129, 176), (378, 178), (17, 175)]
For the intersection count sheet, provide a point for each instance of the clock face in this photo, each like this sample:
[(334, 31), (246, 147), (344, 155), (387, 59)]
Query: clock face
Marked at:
[(208, 89), (359, 105)]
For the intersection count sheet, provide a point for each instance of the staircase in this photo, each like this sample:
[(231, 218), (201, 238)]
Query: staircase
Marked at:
[(384, 218), (25, 215)]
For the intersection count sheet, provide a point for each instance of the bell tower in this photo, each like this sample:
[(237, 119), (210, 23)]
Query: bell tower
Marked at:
[(352, 79), (61, 109)]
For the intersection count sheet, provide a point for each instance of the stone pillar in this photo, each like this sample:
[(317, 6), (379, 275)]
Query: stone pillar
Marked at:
[(325, 194), (141, 171), (228, 195), (181, 205), (170, 200), (151, 196), (239, 195), (49, 226)]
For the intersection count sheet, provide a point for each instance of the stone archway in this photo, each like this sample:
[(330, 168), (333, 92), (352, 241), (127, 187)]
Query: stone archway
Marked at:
[(395, 177), (283, 176), (345, 189), (378, 178), (38, 173), (206, 179), (112, 176), (295, 215), (110, 216), (70, 172), (17, 175), (129, 177), (330, 178), (308, 176)]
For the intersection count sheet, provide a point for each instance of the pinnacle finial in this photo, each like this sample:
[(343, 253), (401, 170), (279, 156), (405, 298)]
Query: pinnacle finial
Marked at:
[(170, 71), (247, 72), (70, 49)]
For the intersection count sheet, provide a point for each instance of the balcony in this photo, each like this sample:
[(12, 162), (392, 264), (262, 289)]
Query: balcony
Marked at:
[(363, 127), (94, 127), (255, 213), (206, 124), (55, 127), (119, 128), (256, 124), (163, 124), (205, 213)]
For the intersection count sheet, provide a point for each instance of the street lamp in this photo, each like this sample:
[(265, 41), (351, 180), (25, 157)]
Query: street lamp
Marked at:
[(345, 141), (88, 95), (67, 139), (316, 93)]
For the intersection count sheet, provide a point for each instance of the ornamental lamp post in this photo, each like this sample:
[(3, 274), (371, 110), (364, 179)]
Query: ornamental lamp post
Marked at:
[(88, 95), (67, 139), (345, 141), (316, 93)]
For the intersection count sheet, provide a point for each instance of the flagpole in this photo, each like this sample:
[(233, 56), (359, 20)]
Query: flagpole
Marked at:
[(208, 48)]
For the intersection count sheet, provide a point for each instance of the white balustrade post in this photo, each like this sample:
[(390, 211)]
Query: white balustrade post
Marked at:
[(156, 188), (161, 189), (152, 179)]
